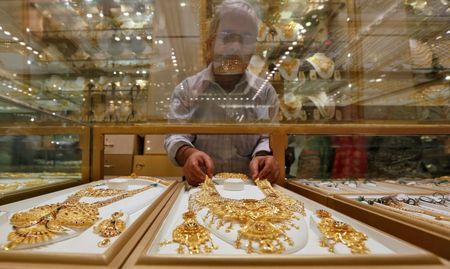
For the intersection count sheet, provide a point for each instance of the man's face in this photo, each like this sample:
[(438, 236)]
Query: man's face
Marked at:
[(234, 43)]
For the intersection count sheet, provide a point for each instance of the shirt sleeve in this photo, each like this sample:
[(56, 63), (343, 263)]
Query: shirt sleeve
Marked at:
[(179, 111)]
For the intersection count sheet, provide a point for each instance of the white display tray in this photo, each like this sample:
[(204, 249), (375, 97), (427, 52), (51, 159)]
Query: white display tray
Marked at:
[(136, 209), (337, 187), (385, 249)]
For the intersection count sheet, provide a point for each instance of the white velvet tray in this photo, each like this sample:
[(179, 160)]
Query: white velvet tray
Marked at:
[(441, 209), (334, 187), (86, 241), (379, 243)]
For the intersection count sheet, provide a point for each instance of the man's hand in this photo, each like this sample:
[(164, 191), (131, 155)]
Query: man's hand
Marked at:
[(196, 165), (264, 167)]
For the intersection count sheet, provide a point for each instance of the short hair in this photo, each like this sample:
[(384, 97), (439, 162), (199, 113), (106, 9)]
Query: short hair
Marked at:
[(228, 6)]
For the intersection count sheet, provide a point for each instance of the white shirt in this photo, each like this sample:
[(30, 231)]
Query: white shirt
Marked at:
[(198, 99)]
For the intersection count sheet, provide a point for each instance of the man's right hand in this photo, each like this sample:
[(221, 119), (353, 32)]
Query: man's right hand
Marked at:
[(196, 165)]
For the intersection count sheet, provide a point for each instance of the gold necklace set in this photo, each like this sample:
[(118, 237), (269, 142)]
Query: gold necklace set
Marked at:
[(262, 222), (339, 232), (43, 223)]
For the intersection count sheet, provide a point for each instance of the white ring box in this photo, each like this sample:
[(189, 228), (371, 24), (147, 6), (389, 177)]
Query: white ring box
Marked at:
[(233, 184)]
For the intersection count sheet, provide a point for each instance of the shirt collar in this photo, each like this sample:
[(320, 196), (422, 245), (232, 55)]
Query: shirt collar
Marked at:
[(249, 80)]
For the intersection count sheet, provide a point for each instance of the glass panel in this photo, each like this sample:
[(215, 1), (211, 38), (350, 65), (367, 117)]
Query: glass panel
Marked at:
[(327, 60), (32, 161), (390, 157)]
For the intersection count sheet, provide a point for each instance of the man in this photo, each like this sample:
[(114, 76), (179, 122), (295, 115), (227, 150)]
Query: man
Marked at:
[(225, 92)]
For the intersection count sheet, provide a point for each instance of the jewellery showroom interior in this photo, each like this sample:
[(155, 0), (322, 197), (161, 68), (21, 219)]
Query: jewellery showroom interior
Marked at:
[(225, 133)]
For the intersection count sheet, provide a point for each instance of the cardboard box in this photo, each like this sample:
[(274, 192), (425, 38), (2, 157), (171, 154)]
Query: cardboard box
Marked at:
[(118, 164), (157, 165), (121, 144)]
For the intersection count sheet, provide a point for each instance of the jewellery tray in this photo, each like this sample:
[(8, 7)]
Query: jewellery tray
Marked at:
[(146, 255), (429, 236), (82, 251), (321, 194)]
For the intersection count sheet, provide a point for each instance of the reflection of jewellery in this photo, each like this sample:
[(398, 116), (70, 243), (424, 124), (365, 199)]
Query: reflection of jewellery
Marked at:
[(339, 232), (41, 223), (289, 68), (262, 32), (287, 31), (4, 187), (277, 76), (301, 76), (325, 106), (256, 65), (322, 64), (312, 75), (421, 55), (191, 235), (110, 227), (316, 114), (337, 75), (303, 115), (260, 221), (231, 175)]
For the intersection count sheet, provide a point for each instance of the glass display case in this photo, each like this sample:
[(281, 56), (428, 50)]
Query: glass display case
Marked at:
[(349, 96)]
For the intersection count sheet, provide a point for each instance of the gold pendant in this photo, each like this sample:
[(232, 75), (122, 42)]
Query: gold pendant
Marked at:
[(339, 232), (111, 227), (191, 235)]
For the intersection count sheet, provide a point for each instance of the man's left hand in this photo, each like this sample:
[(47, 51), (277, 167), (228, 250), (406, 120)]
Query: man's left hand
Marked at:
[(264, 167)]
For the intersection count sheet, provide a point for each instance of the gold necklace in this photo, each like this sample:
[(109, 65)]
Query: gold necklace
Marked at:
[(261, 221), (339, 232), (31, 226)]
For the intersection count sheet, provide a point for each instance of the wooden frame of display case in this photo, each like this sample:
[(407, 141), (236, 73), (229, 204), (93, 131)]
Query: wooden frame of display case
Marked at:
[(114, 257), (84, 133), (278, 134), (139, 259)]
